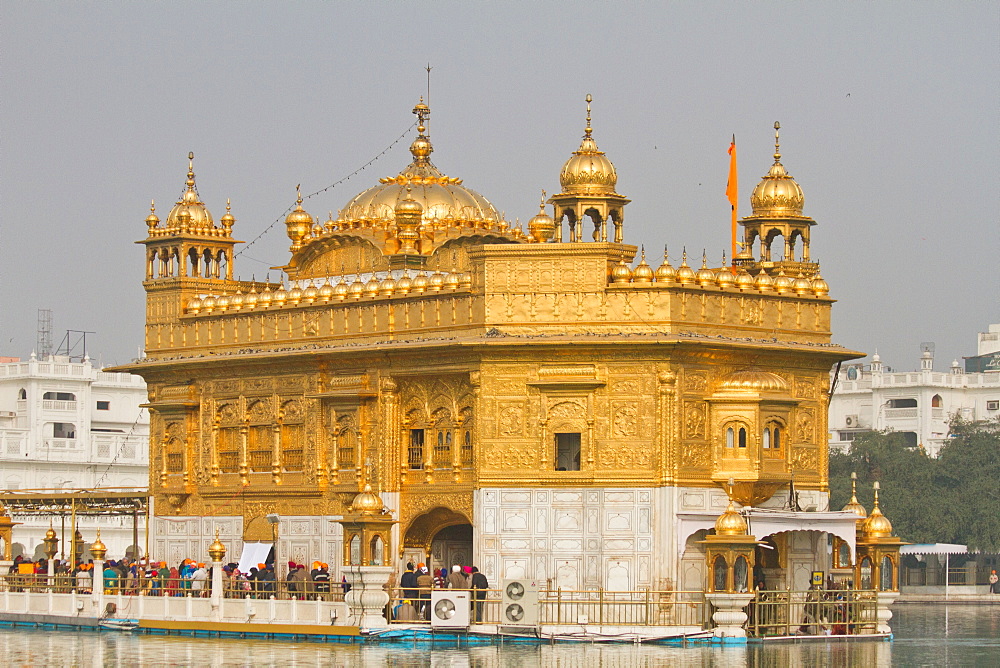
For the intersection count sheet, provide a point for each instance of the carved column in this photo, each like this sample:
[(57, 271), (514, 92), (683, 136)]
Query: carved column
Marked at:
[(334, 450), (320, 454), (389, 433), (276, 448), (214, 476), (244, 467)]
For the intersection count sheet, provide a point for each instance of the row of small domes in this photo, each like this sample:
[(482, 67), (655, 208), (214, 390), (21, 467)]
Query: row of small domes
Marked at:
[(723, 278), (386, 287)]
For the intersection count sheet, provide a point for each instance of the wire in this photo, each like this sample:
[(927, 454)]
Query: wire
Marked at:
[(323, 190)]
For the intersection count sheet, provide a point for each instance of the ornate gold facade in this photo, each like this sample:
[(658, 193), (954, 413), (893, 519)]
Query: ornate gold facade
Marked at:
[(426, 347)]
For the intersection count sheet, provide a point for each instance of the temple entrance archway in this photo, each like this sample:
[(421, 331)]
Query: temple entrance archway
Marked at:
[(437, 538)]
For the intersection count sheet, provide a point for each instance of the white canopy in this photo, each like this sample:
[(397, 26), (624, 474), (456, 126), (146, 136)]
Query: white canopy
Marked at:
[(765, 522), (934, 548), (253, 554)]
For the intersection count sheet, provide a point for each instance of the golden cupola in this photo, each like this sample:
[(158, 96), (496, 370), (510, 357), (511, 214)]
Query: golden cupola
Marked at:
[(876, 525), (189, 213), (588, 181), (854, 506), (588, 171), (443, 199), (298, 223), (777, 195)]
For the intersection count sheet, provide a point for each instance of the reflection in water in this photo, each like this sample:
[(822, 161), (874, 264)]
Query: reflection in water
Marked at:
[(925, 635)]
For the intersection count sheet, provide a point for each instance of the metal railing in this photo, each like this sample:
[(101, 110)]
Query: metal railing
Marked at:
[(645, 607), (841, 612)]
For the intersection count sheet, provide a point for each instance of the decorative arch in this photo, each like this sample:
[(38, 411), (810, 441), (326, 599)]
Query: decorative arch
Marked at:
[(421, 529)]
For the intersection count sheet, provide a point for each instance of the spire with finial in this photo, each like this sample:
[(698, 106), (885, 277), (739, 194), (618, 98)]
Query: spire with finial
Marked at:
[(854, 506), (587, 131), (421, 147), (777, 143)]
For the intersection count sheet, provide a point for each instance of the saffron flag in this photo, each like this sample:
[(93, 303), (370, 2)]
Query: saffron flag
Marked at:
[(732, 194)]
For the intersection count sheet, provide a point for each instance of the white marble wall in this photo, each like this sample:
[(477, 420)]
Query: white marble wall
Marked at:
[(578, 538)]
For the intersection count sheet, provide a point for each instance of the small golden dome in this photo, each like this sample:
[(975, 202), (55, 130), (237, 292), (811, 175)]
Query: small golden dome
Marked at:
[(621, 273), (685, 274), (250, 301), (705, 276), (725, 277), (208, 304), (782, 283), (295, 295), (371, 287), (801, 285), (542, 228), (408, 206), (228, 218), (777, 195), (820, 287), (465, 280), (877, 525), (436, 281), (217, 551), (367, 502), (854, 506), (420, 283), (405, 283), (764, 282), (753, 380), (189, 212), (279, 296), (730, 522), (98, 549), (152, 220), (387, 287), (194, 305), (452, 280), (643, 273), (326, 290), (50, 534), (665, 272), (357, 288), (222, 303), (744, 281), (341, 289), (310, 294), (236, 301), (299, 222), (588, 171), (264, 300)]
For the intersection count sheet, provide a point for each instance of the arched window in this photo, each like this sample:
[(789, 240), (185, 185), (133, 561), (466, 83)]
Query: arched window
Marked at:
[(885, 574), (730, 437), (22, 394), (936, 401), (776, 443), (743, 437), (866, 573), (376, 548), (765, 438), (740, 574), (355, 550), (720, 571), (193, 260)]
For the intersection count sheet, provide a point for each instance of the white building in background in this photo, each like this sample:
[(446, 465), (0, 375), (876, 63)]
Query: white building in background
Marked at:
[(918, 404), (68, 426)]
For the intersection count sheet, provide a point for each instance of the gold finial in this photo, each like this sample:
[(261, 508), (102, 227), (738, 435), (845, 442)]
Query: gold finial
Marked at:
[(777, 142), (190, 175), (423, 113), (588, 130), (541, 204), (229, 207), (704, 259), (298, 194), (152, 206), (875, 503)]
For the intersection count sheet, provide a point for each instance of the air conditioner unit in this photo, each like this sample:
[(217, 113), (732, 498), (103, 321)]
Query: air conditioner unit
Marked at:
[(449, 609), (993, 405), (851, 421), (519, 606)]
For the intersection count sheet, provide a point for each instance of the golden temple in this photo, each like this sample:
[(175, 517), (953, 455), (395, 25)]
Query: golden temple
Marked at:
[(534, 401)]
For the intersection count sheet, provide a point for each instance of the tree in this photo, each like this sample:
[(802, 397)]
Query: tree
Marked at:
[(952, 499)]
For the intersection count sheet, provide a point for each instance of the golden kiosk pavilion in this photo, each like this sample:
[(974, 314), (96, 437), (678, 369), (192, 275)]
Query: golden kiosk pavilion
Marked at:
[(535, 403)]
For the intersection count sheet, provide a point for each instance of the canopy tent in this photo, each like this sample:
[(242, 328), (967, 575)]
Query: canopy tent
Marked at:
[(253, 554), (947, 549), (765, 522)]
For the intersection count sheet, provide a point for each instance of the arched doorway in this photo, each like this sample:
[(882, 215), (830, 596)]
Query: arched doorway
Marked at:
[(439, 538)]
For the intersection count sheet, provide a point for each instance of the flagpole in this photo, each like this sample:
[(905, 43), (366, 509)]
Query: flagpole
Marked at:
[(732, 193)]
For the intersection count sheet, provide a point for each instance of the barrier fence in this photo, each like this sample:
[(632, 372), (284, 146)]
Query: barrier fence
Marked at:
[(841, 612)]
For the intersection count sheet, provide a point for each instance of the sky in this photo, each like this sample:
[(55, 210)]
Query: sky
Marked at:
[(890, 116)]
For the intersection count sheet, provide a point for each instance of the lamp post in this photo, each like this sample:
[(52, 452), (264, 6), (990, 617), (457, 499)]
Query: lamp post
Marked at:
[(367, 537), (729, 555), (217, 552), (97, 551), (51, 547)]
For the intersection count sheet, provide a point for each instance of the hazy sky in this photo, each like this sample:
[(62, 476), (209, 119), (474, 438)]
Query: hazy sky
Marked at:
[(889, 116)]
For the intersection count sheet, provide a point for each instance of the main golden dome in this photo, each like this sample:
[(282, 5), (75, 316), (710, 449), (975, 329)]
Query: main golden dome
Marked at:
[(197, 216), (444, 199), (588, 171), (777, 195)]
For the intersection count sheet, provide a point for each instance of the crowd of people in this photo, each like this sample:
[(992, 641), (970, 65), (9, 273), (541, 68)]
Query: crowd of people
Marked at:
[(417, 582)]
